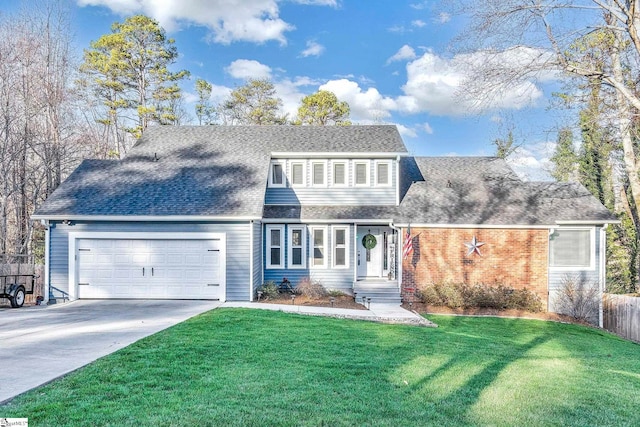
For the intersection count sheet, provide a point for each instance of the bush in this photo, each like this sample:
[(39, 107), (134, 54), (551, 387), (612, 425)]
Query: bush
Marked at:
[(336, 293), (310, 288), (456, 295), (269, 290), (579, 299)]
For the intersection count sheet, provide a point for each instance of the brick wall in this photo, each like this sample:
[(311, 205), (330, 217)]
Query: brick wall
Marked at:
[(513, 257)]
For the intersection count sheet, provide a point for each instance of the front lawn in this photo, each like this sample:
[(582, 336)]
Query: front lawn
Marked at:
[(251, 367)]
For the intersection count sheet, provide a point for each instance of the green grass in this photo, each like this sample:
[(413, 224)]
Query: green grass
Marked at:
[(249, 367)]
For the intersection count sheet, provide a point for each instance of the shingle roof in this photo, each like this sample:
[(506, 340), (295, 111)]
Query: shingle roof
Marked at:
[(469, 191), (201, 170)]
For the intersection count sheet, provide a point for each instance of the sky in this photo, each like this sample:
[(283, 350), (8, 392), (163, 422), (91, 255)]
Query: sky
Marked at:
[(393, 61)]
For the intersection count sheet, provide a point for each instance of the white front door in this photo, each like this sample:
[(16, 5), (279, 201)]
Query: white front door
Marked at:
[(370, 261)]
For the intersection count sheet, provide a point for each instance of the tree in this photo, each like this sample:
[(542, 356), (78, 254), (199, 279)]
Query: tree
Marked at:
[(128, 69), (564, 158), (254, 103), (505, 146), (204, 110), (323, 108)]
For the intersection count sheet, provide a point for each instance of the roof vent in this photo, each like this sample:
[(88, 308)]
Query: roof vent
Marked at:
[(155, 157)]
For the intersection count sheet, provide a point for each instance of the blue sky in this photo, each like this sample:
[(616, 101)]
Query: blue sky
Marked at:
[(393, 61)]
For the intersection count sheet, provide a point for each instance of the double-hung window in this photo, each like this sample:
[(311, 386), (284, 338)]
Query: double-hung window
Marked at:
[(297, 174), (340, 247), (276, 175), (297, 238), (339, 174), (275, 246), (319, 174), (572, 249), (383, 173), (361, 173), (318, 247)]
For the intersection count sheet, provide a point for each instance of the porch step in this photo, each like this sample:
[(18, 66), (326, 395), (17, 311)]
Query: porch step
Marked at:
[(379, 292)]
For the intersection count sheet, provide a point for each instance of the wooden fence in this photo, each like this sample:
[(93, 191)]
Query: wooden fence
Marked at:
[(621, 315)]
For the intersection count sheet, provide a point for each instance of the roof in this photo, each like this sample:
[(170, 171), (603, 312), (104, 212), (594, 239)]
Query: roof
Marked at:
[(467, 191), (201, 171)]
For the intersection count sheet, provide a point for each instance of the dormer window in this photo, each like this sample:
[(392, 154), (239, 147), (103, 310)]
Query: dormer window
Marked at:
[(383, 173), (361, 174), (319, 174), (276, 175), (297, 174), (339, 174)]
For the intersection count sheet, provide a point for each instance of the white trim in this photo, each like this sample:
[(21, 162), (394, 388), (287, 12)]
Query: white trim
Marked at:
[(146, 218), (603, 273), (303, 246), (367, 164), (325, 246), (345, 163), (398, 181), (334, 246), (376, 163), (283, 175), (592, 251), (324, 221), (587, 222), (46, 285), (304, 173), (325, 175), (478, 226), (74, 236), (336, 154), (354, 243), (268, 263)]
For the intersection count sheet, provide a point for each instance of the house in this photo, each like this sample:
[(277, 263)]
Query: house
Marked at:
[(212, 212)]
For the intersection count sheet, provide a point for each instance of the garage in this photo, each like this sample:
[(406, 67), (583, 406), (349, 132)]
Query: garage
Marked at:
[(150, 268)]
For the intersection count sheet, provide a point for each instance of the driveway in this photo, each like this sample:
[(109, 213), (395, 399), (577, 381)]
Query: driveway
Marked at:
[(39, 344)]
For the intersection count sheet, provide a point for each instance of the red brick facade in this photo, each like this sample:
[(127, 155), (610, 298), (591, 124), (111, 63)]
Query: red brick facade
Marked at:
[(512, 257)]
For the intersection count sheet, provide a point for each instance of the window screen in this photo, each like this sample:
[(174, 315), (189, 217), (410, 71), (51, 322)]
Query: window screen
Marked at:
[(570, 248), (318, 174), (382, 174), (276, 174), (297, 174), (361, 173), (339, 173)]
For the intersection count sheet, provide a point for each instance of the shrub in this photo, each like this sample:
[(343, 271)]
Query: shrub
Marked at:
[(456, 295), (336, 293), (579, 299), (269, 289), (310, 288)]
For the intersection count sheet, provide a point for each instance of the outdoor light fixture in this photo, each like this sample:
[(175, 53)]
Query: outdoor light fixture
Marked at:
[(332, 300), (259, 295), (293, 299), (355, 294), (368, 303)]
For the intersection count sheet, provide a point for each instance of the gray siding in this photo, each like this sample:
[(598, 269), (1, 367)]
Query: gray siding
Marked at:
[(238, 248), (331, 278), (330, 195), (557, 277)]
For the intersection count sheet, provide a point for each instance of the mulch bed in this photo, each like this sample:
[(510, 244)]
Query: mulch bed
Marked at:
[(345, 301)]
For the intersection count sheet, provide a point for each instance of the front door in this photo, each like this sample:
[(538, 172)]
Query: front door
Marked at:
[(370, 252)]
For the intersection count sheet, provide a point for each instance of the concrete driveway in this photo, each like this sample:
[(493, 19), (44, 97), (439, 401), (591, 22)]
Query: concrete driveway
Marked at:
[(39, 344)]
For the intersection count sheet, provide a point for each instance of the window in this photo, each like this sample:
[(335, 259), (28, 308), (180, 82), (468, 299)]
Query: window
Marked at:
[(297, 247), (276, 175), (383, 174), (318, 174), (319, 254), (572, 248), (275, 258), (297, 174), (340, 247), (339, 174), (361, 173)]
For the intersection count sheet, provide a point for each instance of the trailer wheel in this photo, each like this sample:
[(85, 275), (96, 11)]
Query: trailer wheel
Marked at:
[(18, 298)]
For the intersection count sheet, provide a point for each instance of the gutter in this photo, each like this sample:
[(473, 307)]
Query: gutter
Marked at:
[(144, 218)]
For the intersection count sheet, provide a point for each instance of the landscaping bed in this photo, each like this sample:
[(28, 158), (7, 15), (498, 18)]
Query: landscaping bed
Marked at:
[(342, 301)]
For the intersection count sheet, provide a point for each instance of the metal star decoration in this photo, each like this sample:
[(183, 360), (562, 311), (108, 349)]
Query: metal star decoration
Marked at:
[(474, 246)]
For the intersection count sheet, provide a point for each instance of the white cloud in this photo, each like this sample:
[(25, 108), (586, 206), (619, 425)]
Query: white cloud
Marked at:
[(419, 6), (443, 18), (434, 84), (365, 104), (256, 21), (313, 49), (418, 23), (248, 69), (532, 162), (426, 127), (404, 53), (406, 131)]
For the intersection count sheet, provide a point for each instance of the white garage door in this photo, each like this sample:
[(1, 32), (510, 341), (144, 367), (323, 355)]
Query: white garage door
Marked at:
[(150, 268)]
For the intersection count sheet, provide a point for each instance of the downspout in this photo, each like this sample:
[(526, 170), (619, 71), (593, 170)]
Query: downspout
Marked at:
[(603, 272), (251, 266), (47, 266), (397, 182)]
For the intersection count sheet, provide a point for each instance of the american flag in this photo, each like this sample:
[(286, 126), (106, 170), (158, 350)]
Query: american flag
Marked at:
[(407, 247)]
